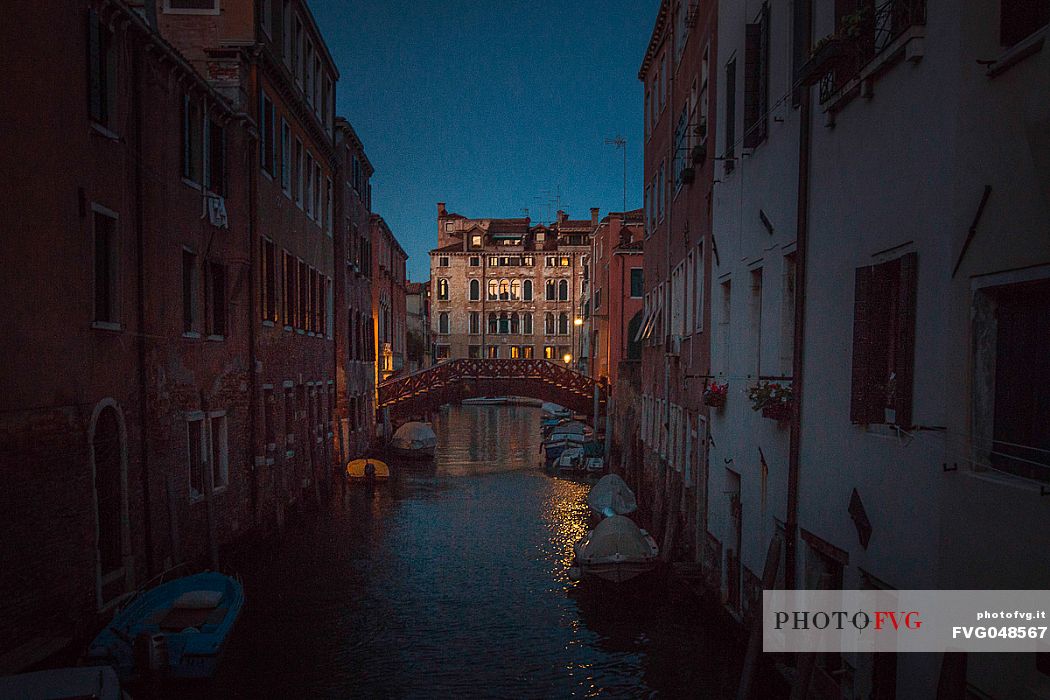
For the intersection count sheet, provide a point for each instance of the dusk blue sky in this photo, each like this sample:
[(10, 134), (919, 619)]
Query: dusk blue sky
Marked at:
[(491, 107)]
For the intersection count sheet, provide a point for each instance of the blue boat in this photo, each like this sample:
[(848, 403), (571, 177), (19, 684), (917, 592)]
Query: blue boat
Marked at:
[(557, 444), (178, 629)]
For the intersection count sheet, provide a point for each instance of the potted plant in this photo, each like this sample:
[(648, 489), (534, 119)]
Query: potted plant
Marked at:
[(775, 400), (824, 56), (699, 153), (688, 175), (715, 394)]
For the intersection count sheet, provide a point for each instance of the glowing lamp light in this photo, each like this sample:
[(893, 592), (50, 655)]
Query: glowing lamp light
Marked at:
[(567, 358), (577, 321)]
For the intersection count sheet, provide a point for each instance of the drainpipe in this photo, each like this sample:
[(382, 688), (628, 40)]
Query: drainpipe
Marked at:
[(797, 343), (140, 293), (253, 213)]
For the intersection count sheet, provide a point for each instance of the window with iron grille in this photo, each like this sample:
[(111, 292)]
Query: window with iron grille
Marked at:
[(756, 80)]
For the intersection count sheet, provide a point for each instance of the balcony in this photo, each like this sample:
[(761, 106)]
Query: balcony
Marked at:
[(868, 42)]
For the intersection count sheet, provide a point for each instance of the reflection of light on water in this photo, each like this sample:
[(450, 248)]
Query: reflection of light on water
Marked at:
[(565, 512)]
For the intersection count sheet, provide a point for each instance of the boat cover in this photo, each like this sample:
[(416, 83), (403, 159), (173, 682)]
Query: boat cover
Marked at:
[(356, 469), (570, 427), (414, 436), (617, 535), (612, 496)]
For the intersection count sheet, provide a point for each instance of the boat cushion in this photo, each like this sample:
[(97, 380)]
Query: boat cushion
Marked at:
[(193, 600)]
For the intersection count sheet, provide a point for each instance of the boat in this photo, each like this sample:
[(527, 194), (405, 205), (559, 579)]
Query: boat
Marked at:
[(414, 439), (593, 465), (556, 444), (611, 496), (178, 629), (76, 682), (616, 550), (364, 469), (556, 411), (485, 401), (570, 460)]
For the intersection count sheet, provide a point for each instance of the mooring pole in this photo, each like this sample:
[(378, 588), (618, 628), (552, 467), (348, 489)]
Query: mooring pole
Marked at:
[(608, 428), (594, 408)]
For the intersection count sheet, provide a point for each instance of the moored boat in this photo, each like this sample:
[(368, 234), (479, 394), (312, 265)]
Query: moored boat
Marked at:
[(367, 470), (570, 460), (414, 439), (616, 550), (611, 496), (178, 629), (79, 682), (556, 444)]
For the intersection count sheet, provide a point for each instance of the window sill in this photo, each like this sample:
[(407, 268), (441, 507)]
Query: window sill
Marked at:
[(289, 453), (104, 132), (196, 498), (191, 184), (288, 328), (216, 338), (267, 323), (1017, 53), (192, 335), (909, 45), (219, 490), (107, 326)]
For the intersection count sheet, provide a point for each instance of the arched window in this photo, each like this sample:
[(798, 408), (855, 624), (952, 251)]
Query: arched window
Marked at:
[(552, 290), (563, 290), (504, 323), (107, 451), (493, 290), (515, 325), (504, 290), (515, 290), (526, 290), (442, 289), (526, 323), (443, 323), (475, 323), (493, 322), (563, 323), (548, 323), (475, 290)]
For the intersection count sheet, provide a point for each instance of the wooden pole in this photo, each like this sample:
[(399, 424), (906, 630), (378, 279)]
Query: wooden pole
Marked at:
[(754, 642)]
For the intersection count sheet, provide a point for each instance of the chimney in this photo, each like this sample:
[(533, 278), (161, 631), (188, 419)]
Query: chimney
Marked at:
[(561, 216), (441, 209), (594, 217)]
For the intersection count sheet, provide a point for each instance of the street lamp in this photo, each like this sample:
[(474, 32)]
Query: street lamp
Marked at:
[(577, 321), (567, 357)]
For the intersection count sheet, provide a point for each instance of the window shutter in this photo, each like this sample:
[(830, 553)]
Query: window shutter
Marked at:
[(861, 399), (763, 77), (905, 340), (752, 83), (94, 67)]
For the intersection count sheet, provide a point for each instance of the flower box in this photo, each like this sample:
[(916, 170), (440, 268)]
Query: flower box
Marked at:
[(773, 399), (827, 54), (715, 395), (777, 411)]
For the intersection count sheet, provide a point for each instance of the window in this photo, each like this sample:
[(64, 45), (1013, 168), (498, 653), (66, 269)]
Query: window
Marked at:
[(884, 342), (102, 72), (1012, 378), (755, 323), (475, 323), (563, 290), (475, 241), (756, 80), (563, 323), (493, 261), (549, 352), (217, 299), (493, 352), (443, 261), (267, 136), (192, 140), (317, 191), (189, 291), (526, 290), (493, 290), (787, 316), (215, 152), (107, 296), (266, 17), (526, 323), (515, 290), (297, 163), (725, 326), (475, 261), (526, 352), (493, 324), (515, 352), (286, 32), (504, 290), (504, 323), (597, 299), (637, 283), (291, 271), (474, 351), (196, 455), (515, 323), (552, 290), (443, 323), (220, 453), (269, 425), (698, 290), (1019, 19), (730, 126), (548, 323), (442, 289), (309, 177), (297, 50), (328, 206), (475, 290), (682, 155)]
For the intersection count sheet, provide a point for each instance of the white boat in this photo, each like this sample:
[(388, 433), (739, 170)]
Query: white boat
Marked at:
[(78, 682), (611, 496), (594, 465), (414, 439), (616, 550), (570, 459)]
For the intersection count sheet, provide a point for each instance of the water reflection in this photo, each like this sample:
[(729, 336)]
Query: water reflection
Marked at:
[(451, 580)]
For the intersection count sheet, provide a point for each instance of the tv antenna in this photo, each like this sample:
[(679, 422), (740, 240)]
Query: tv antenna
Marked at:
[(620, 142)]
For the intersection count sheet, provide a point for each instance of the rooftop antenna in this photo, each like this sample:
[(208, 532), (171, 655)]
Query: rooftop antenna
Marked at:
[(620, 142)]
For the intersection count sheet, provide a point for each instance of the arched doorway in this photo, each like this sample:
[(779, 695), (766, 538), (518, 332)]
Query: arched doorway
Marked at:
[(109, 470)]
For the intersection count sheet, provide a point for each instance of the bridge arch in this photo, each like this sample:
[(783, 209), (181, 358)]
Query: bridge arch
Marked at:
[(455, 380)]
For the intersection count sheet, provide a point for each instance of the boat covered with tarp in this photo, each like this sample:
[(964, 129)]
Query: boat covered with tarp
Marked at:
[(178, 629), (367, 468), (612, 496), (616, 550), (553, 409), (414, 439)]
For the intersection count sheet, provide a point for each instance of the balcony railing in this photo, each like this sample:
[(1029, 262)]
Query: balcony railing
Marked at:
[(861, 37)]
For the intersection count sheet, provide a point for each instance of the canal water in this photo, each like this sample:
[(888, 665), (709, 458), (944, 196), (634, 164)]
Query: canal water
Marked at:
[(450, 581)]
